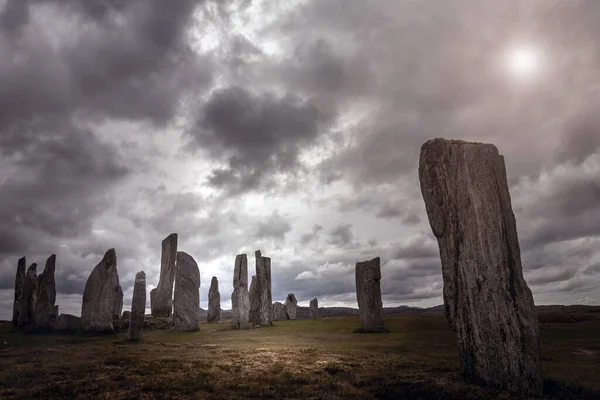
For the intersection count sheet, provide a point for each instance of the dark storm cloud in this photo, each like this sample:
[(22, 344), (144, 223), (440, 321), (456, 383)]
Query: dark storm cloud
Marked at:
[(275, 227), (313, 235), (341, 235), (257, 134), (420, 246)]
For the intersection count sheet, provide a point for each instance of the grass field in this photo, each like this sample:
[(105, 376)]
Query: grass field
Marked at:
[(307, 359)]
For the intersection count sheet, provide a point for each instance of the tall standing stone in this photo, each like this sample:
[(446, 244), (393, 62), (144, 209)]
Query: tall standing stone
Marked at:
[(240, 298), (313, 309), (27, 299), (161, 303), (263, 300), (44, 316), (118, 303), (19, 279), (254, 314), (100, 295), (486, 299), (278, 311), (368, 295), (290, 306), (186, 300), (214, 301), (138, 308)]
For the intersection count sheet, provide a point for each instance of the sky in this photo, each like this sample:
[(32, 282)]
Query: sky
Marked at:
[(294, 128)]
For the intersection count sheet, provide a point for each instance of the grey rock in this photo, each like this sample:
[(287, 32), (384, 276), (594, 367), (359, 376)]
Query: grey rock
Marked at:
[(290, 306), (19, 279), (368, 294), (262, 314), (44, 316), (313, 309), (127, 314), (68, 322), (486, 299), (56, 314), (138, 308), (214, 301), (100, 295), (278, 311), (27, 300), (118, 303), (254, 314), (161, 303), (187, 293), (240, 298)]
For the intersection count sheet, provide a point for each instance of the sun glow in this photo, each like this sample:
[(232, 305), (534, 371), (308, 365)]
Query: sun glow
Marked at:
[(523, 61)]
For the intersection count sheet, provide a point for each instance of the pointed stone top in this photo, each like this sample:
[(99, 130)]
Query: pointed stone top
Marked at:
[(257, 253), (140, 276), (50, 264), (214, 279), (110, 257), (171, 236), (32, 269), (22, 260)]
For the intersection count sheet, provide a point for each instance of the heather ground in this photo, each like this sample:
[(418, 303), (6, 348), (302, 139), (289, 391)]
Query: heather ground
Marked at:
[(306, 359)]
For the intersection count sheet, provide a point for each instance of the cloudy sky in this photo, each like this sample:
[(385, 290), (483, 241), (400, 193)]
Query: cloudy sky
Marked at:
[(293, 127)]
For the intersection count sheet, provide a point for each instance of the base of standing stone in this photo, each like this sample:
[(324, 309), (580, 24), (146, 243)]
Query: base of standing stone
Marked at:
[(379, 330)]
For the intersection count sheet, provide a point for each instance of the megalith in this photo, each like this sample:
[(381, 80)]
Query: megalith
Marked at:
[(27, 299), (186, 300), (118, 303), (368, 295), (290, 306), (264, 303), (138, 308), (100, 295), (254, 314), (278, 311), (19, 279), (44, 316), (240, 298), (214, 301), (161, 303), (313, 309), (68, 322), (486, 299)]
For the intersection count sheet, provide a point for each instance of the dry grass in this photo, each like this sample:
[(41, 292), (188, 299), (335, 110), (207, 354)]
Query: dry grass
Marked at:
[(293, 360)]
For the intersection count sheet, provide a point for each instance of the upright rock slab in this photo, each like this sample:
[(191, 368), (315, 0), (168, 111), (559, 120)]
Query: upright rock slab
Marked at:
[(138, 308), (278, 311), (313, 309), (19, 279), (44, 317), (161, 303), (186, 301), (254, 314), (368, 295), (240, 298), (263, 300), (27, 299), (118, 303), (100, 295), (68, 322), (290, 306), (214, 301), (486, 299)]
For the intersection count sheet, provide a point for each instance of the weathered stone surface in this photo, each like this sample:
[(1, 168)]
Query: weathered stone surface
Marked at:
[(138, 308), (214, 301), (19, 279), (254, 314), (27, 300), (100, 295), (313, 309), (126, 314), (118, 303), (56, 311), (240, 298), (186, 301), (487, 301), (278, 311), (68, 322), (368, 295), (161, 303), (44, 317), (263, 300), (290, 306)]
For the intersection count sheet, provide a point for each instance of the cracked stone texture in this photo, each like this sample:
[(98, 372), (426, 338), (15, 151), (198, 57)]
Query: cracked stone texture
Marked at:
[(486, 299), (186, 301), (254, 314), (138, 308), (19, 279), (368, 295), (161, 303), (100, 295), (214, 301), (240, 298), (27, 299), (262, 304), (45, 314), (118, 303), (313, 309), (290, 306)]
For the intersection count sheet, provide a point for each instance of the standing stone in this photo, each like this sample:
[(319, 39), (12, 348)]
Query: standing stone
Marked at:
[(68, 322), (290, 306), (19, 279), (278, 311), (187, 293), (56, 314), (27, 299), (254, 314), (313, 309), (486, 299), (138, 308), (126, 315), (118, 303), (161, 303), (368, 294), (214, 301), (240, 298), (264, 302), (44, 317), (100, 295)]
